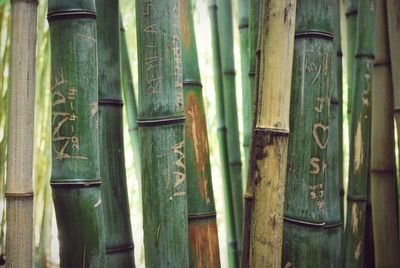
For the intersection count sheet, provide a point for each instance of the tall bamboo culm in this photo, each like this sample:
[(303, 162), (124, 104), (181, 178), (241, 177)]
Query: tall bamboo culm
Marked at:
[(356, 227), (161, 131), (383, 164), (203, 234), (75, 159), (393, 16), (304, 235), (333, 204), (129, 99), (225, 26), (19, 191), (243, 10), (254, 55), (271, 132), (233, 254), (351, 11), (117, 225)]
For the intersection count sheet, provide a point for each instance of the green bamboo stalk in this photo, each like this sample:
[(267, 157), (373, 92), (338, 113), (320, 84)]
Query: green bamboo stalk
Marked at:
[(271, 133), (75, 166), (161, 132), (19, 191), (334, 158), (304, 234), (383, 164), (118, 234), (355, 235), (203, 235), (243, 10), (351, 11), (231, 116), (254, 57), (130, 100), (231, 235), (393, 16)]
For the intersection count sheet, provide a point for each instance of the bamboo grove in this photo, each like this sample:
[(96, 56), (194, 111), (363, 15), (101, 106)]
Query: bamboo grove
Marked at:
[(213, 133)]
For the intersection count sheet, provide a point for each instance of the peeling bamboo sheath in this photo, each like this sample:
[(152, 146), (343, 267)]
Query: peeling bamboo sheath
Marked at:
[(271, 133), (355, 234), (19, 191), (233, 254), (75, 177), (383, 166)]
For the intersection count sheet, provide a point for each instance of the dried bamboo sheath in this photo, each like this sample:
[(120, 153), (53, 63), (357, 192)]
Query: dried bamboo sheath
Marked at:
[(19, 192)]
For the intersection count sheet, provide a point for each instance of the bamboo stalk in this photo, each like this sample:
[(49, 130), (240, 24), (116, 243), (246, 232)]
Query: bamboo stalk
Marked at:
[(383, 165), (75, 166), (231, 116), (130, 100), (232, 247), (243, 10), (118, 232), (203, 235), (19, 191), (355, 235), (161, 132), (271, 132), (304, 234), (351, 11), (334, 158), (393, 16)]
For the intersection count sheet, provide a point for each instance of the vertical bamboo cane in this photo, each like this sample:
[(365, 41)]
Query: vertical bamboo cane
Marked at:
[(304, 233), (75, 167), (203, 235), (243, 10), (117, 225), (351, 11), (355, 235), (230, 105), (161, 132), (333, 216), (233, 254), (383, 166), (19, 192), (393, 16), (271, 132)]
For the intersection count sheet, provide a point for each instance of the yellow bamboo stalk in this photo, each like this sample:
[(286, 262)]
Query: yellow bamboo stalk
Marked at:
[(19, 191), (271, 132), (383, 166)]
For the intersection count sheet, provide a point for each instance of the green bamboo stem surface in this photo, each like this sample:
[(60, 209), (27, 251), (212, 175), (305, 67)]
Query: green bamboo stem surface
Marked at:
[(383, 164), (19, 191), (243, 10), (203, 235), (117, 225), (161, 132), (356, 230), (271, 132), (225, 25), (351, 11), (75, 159), (231, 236), (304, 235)]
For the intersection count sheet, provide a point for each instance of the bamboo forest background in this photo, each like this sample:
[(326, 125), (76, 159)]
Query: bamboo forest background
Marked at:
[(45, 232)]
